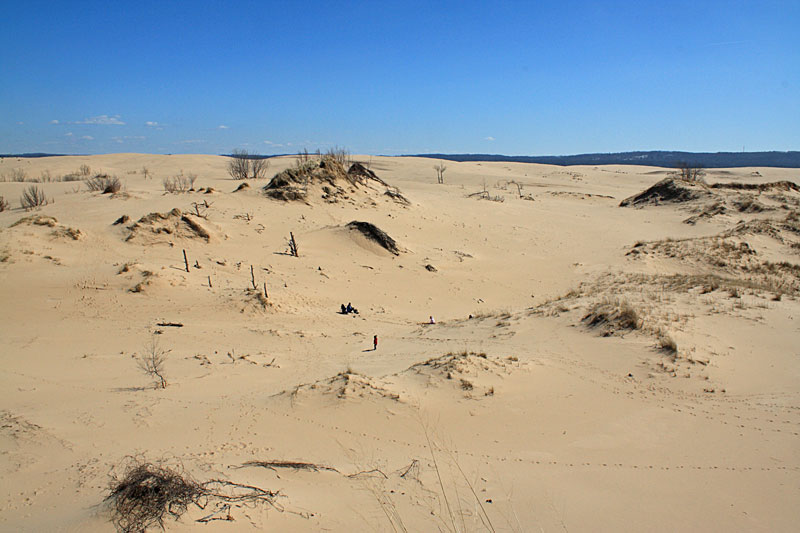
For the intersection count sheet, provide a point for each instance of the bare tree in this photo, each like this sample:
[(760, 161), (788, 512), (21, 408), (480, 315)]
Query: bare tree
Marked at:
[(440, 168), (239, 165), (690, 172), (258, 167), (243, 165), (152, 361)]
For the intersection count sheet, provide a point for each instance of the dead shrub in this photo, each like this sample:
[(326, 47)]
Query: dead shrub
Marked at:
[(152, 361), (146, 493), (32, 197), (3, 204)]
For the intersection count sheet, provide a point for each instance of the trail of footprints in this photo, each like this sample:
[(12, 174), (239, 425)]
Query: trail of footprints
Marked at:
[(780, 422), (422, 449)]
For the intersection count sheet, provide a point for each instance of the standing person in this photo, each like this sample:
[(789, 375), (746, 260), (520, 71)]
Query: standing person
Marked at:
[(374, 343)]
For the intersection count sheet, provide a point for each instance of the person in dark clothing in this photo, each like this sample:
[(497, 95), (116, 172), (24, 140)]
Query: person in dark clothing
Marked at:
[(375, 343), (344, 310)]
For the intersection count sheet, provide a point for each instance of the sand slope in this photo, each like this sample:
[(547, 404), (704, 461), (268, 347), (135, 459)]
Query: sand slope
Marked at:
[(624, 368)]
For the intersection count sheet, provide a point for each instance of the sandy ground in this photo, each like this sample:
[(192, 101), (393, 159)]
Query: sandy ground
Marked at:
[(522, 418)]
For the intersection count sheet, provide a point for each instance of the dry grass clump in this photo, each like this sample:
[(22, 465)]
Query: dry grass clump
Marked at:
[(612, 314), (3, 204), (667, 344), (32, 197)]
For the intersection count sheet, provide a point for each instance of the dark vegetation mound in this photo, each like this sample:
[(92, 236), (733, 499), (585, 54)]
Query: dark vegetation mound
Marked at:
[(375, 234), (785, 186), (328, 176), (359, 172), (668, 190)]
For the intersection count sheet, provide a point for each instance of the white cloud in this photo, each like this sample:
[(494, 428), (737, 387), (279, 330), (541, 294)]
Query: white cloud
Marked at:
[(20, 123), (490, 138), (103, 120), (192, 141), (53, 122), (124, 138), (222, 127), (68, 134), (87, 138), (152, 123)]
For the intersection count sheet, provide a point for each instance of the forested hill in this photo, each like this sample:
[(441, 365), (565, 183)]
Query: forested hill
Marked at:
[(654, 158)]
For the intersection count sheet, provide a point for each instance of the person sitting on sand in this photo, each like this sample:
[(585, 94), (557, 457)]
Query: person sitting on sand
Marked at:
[(344, 310), (432, 321), (349, 308)]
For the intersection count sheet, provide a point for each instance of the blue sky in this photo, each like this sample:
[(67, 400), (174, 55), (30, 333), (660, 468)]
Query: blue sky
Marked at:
[(516, 78)]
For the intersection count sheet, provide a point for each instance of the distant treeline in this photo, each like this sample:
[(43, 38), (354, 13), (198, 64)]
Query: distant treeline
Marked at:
[(37, 154), (653, 159)]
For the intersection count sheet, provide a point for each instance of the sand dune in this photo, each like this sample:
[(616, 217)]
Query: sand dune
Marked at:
[(592, 367)]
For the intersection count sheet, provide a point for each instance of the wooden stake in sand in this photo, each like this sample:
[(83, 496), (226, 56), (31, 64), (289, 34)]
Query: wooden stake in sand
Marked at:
[(185, 261), (209, 281), (265, 290), (253, 278)]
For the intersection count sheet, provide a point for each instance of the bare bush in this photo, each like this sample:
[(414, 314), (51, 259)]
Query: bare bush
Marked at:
[(152, 361), (258, 167), (18, 175), (690, 172), (104, 183), (84, 170), (243, 165), (32, 197), (147, 173), (180, 183), (46, 177), (3, 204), (239, 165), (113, 186)]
